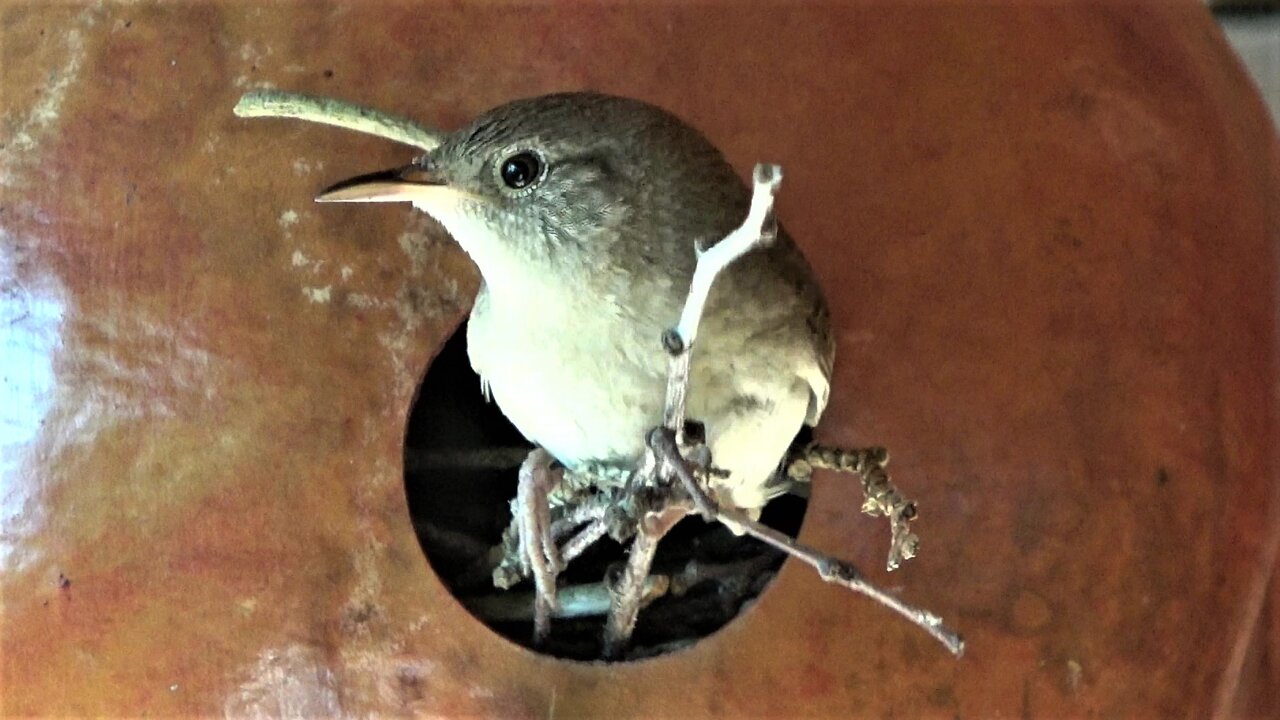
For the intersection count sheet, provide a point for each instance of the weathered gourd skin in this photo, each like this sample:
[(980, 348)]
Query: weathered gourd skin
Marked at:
[(1049, 238)]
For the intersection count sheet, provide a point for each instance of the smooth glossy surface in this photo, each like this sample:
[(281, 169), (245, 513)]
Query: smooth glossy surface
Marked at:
[(1049, 239)]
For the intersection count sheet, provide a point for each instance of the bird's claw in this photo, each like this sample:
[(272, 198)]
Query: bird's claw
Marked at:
[(539, 555)]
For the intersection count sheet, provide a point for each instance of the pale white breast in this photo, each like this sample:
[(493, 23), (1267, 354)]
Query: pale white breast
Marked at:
[(575, 374), (586, 399), (564, 381)]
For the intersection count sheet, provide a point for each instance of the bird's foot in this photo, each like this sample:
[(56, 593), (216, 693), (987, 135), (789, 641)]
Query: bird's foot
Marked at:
[(538, 553), (584, 504)]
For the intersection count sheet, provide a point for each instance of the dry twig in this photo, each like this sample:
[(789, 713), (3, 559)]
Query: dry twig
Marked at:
[(881, 497), (829, 569), (327, 111)]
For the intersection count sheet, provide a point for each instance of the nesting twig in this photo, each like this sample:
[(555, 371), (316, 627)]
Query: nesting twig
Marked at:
[(829, 569), (327, 111), (881, 497), (757, 230)]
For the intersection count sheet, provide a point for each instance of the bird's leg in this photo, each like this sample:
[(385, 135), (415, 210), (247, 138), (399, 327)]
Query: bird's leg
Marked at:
[(592, 495), (628, 593), (537, 545)]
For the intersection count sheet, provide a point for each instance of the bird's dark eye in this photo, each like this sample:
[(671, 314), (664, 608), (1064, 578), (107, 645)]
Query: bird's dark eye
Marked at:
[(521, 170)]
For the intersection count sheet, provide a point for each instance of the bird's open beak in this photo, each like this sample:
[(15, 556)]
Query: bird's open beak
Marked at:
[(411, 183)]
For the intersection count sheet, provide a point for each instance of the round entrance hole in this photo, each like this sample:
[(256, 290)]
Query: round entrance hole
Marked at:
[(461, 460)]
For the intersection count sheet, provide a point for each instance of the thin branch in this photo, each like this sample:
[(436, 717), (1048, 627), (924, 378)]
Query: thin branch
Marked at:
[(880, 495), (829, 568), (585, 538), (581, 513), (662, 442), (840, 572), (275, 103), (757, 230)]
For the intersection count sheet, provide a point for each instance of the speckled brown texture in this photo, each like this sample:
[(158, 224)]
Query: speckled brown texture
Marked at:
[(1048, 237)]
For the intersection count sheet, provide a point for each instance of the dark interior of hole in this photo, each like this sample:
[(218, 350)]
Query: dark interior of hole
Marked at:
[(459, 511)]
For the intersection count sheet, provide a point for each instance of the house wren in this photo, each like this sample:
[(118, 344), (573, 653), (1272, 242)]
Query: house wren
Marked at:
[(582, 212)]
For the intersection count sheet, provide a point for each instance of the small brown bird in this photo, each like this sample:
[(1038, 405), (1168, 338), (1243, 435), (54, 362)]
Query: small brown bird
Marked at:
[(582, 212)]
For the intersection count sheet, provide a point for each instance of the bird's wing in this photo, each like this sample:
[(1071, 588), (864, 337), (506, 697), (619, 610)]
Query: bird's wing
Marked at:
[(792, 311), (815, 339), (479, 308), (817, 372)]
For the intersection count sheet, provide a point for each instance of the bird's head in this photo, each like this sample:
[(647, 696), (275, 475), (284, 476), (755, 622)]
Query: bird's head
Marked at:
[(567, 182)]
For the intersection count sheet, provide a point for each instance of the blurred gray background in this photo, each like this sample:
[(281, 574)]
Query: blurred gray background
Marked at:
[(1254, 30)]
